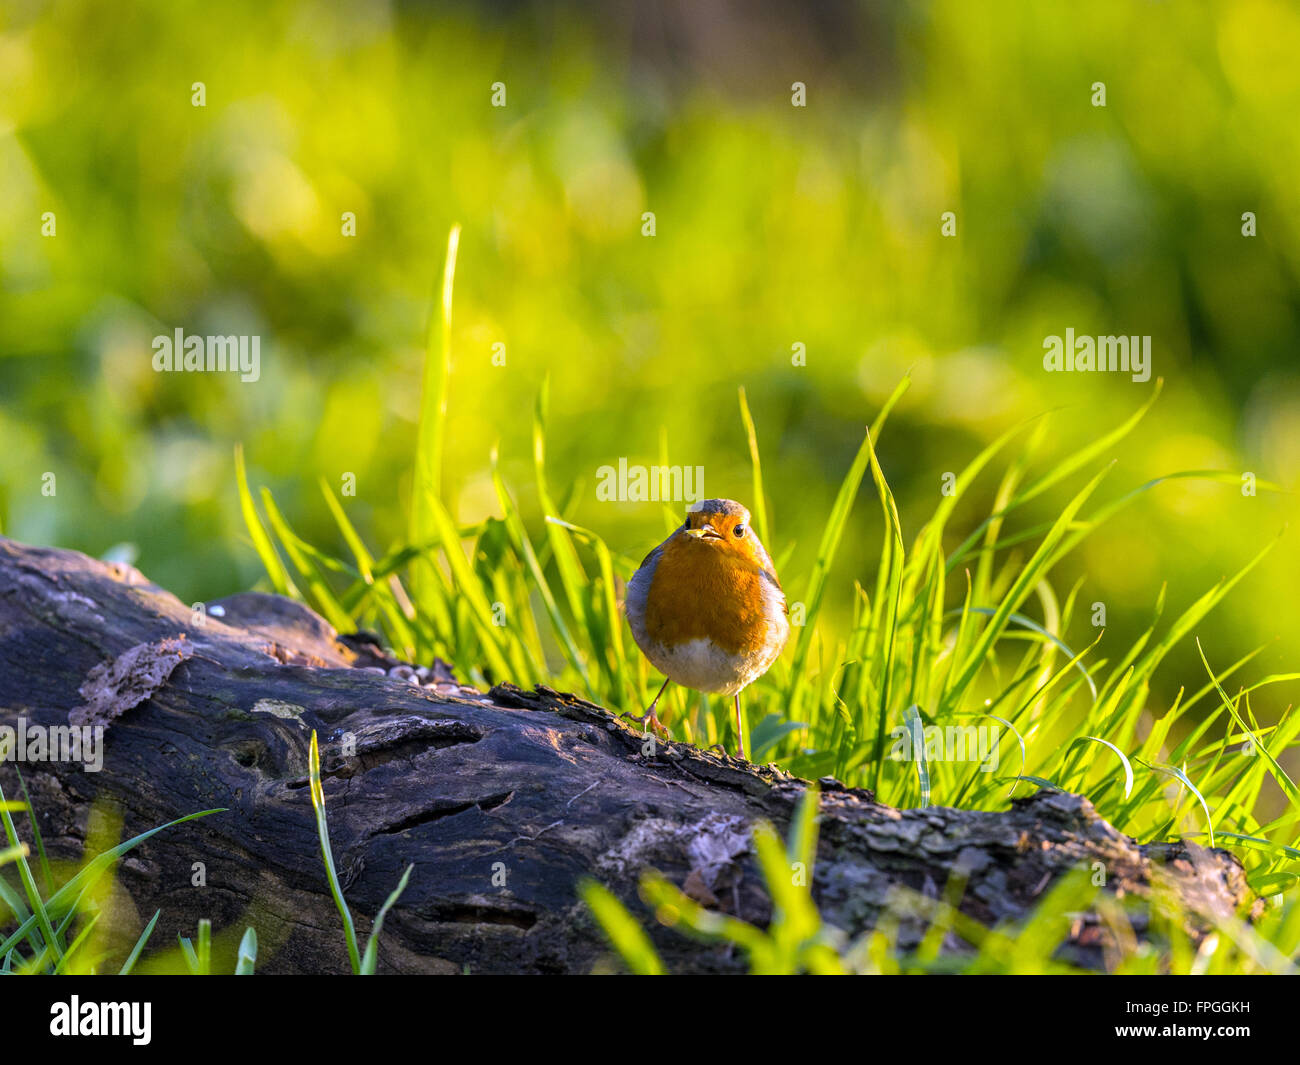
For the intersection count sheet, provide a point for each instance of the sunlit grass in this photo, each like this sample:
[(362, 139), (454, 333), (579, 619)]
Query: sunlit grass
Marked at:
[(54, 924)]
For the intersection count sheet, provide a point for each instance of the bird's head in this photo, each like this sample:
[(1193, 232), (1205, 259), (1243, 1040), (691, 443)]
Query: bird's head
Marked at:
[(723, 525)]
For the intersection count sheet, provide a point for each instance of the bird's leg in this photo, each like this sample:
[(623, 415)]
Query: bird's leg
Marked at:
[(740, 730), (650, 718)]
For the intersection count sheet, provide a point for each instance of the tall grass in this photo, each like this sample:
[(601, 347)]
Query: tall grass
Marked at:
[(980, 633)]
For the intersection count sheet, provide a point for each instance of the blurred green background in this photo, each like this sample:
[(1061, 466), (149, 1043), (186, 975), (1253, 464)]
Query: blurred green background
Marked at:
[(775, 225)]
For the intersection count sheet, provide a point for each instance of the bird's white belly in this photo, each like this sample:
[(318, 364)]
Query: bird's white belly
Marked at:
[(703, 665)]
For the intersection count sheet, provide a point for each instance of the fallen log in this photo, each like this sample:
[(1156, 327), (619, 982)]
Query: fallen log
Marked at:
[(500, 800)]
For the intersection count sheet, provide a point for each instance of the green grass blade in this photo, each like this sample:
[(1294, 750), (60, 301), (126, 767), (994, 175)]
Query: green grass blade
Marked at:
[(889, 599), (275, 570), (46, 874), (1182, 778), (189, 954), (916, 744), (469, 589), (204, 948), (1128, 769), (427, 487), (826, 550), (247, 956), (371, 957), (622, 929), (573, 578), (74, 950), (327, 855), (134, 956), (1279, 774), (758, 504), (37, 904), (320, 596)]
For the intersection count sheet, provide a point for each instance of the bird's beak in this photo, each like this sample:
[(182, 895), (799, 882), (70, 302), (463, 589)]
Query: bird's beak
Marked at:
[(705, 532)]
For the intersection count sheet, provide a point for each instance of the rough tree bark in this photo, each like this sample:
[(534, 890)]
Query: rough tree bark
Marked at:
[(456, 781)]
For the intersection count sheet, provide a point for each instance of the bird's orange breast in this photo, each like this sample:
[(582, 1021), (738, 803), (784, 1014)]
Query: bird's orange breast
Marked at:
[(701, 592)]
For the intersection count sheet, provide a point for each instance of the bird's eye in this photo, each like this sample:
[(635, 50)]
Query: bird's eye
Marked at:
[(739, 530)]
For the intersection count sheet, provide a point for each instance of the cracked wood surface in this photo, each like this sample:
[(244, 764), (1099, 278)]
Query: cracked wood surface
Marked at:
[(534, 788)]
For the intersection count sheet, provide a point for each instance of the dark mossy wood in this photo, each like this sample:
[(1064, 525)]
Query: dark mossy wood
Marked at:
[(500, 800)]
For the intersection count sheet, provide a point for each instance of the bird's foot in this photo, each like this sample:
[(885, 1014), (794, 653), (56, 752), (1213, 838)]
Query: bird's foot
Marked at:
[(649, 720)]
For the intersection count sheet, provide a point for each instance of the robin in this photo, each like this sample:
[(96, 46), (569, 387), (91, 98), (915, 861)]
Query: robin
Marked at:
[(706, 608)]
